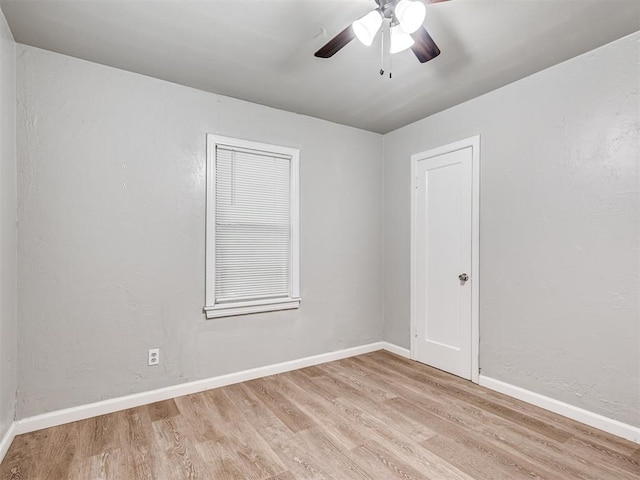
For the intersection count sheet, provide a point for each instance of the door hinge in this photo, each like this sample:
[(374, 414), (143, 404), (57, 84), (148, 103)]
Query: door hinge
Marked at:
[(416, 182)]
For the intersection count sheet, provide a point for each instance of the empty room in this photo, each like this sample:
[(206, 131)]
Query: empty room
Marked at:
[(319, 239)]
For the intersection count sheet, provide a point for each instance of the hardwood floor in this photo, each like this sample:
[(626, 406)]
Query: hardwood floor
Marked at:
[(376, 416)]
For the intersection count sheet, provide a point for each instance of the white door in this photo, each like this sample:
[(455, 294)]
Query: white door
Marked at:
[(443, 232)]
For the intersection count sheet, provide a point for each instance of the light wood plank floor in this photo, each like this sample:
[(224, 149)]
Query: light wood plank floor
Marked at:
[(376, 416)]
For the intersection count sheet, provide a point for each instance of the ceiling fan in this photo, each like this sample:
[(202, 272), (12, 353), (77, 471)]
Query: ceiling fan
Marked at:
[(405, 19)]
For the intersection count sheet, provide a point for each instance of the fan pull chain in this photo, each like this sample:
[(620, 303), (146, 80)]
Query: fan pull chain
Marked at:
[(382, 51)]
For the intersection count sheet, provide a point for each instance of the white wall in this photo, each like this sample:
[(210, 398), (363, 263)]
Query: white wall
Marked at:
[(112, 234), (8, 234), (560, 228)]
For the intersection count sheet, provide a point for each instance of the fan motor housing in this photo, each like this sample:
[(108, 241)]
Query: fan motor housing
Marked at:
[(387, 8)]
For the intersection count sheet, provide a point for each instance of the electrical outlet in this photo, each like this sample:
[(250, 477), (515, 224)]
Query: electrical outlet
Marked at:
[(154, 356)]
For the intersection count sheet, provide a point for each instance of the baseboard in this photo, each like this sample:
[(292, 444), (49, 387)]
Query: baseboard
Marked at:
[(403, 352), (8, 437), (82, 412), (575, 413), (60, 417)]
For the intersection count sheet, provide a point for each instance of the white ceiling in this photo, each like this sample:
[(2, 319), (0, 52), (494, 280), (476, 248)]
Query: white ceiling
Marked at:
[(262, 50)]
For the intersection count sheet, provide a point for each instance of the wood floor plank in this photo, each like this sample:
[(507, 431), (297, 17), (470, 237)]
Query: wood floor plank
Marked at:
[(541, 421), (477, 459), (373, 417), (162, 410), (360, 381), (536, 446), (453, 390), (290, 415), (382, 430), (486, 443), (325, 451), (222, 461), (384, 464), (196, 411), (177, 459), (323, 412), (394, 362), (103, 466), (297, 460), (311, 371), (19, 461), (255, 457), (607, 456), (378, 409), (282, 476), (405, 447), (139, 435)]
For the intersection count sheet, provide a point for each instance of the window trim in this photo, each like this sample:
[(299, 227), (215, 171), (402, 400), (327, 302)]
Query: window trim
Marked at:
[(216, 310)]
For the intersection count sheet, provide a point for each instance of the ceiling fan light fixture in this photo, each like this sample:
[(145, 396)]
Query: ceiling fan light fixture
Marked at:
[(367, 27), (410, 14), (400, 40)]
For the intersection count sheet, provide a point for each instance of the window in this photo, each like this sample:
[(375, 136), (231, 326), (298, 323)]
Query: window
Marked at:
[(252, 227)]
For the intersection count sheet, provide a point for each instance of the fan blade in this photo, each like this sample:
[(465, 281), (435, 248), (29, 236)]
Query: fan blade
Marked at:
[(424, 47), (336, 43)]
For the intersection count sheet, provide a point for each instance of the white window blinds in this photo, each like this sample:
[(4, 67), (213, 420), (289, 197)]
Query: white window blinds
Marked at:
[(253, 225)]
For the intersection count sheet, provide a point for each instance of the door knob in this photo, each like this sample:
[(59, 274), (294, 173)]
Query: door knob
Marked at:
[(463, 277)]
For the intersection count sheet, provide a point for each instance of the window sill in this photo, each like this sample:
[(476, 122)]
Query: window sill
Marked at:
[(245, 308)]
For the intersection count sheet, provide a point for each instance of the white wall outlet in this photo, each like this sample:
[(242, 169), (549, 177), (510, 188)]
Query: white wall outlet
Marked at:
[(154, 356)]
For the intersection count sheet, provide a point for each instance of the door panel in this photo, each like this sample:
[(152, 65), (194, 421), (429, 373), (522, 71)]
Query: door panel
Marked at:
[(443, 252)]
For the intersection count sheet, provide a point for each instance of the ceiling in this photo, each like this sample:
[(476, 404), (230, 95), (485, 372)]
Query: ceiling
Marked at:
[(262, 50)]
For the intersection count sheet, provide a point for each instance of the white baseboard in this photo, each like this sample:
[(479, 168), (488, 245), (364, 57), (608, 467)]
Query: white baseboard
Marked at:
[(403, 352), (81, 412), (575, 413), (8, 437)]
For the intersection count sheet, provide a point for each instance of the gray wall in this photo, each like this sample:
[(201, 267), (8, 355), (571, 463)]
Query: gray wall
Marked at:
[(111, 237), (559, 235), (8, 234)]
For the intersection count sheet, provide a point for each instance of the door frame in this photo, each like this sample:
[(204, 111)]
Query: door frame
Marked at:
[(474, 143)]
